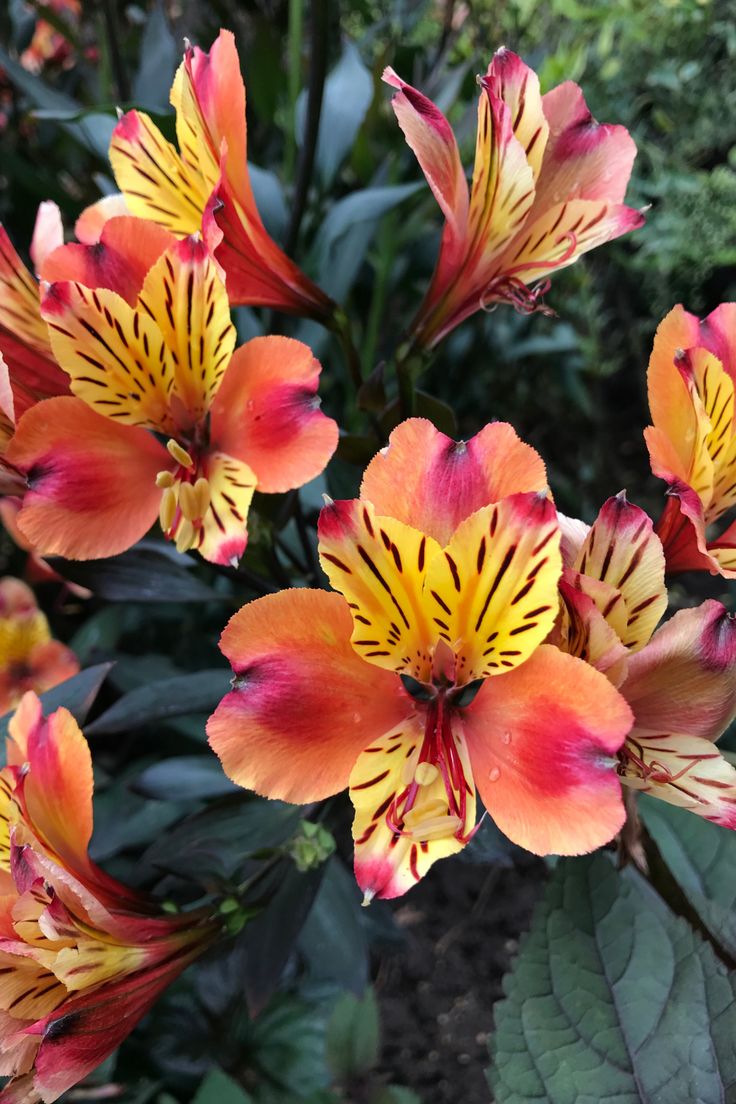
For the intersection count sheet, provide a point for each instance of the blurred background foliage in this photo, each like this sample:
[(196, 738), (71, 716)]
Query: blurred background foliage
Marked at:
[(573, 385)]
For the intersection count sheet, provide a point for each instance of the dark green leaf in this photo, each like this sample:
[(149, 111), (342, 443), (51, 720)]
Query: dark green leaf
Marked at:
[(77, 694), (702, 858), (183, 777), (333, 940), (269, 197), (427, 406), (124, 819), (347, 96), (394, 1094), (613, 1000), (353, 1036), (346, 233), (159, 58), (198, 692), (149, 572), (218, 1088)]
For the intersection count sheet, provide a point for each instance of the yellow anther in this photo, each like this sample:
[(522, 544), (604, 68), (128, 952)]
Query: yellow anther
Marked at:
[(188, 501), (164, 479), (423, 812), (204, 496), (167, 509), (436, 828), (179, 454), (184, 536), (425, 773)]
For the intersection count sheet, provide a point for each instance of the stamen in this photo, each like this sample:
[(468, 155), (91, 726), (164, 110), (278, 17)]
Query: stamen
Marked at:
[(204, 496), (426, 773), (164, 479), (179, 454), (167, 509), (184, 536), (188, 502), (436, 828)]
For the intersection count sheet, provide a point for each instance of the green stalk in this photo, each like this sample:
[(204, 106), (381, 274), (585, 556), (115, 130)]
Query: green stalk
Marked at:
[(294, 77)]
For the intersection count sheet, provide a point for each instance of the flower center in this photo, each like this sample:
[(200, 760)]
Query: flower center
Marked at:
[(185, 499)]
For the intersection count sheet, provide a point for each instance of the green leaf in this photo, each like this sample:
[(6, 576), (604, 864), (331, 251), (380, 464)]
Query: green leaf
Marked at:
[(198, 692), (184, 777), (150, 572), (702, 858), (347, 231), (394, 1094), (77, 694), (613, 1000), (353, 1036), (92, 129), (347, 96), (158, 61), (270, 201), (124, 819), (218, 1088), (333, 940)]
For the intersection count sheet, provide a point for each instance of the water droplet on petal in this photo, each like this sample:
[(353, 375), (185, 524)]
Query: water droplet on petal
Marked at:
[(494, 774), (506, 738), (357, 718)]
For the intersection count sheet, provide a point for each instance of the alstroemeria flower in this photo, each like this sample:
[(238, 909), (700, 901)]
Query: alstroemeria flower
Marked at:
[(157, 359), (692, 444), (206, 186), (82, 957), (548, 185), (680, 682), (426, 679), (29, 658), (32, 370)]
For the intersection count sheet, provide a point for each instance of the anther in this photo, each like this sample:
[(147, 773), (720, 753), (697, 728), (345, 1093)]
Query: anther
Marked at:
[(425, 774), (184, 536), (164, 479), (188, 501), (179, 454), (167, 508), (204, 496)]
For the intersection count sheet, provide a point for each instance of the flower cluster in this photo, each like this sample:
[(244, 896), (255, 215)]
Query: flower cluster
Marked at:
[(476, 644)]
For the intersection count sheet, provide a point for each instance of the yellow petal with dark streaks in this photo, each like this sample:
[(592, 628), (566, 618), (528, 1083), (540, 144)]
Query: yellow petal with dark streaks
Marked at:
[(380, 565), (28, 990), (185, 296), (495, 585), (115, 356)]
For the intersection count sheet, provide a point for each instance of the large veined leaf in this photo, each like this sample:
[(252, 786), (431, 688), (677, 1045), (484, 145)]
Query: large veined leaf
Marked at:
[(702, 858), (613, 1000)]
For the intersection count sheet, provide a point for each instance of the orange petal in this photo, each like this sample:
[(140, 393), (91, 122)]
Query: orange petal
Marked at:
[(115, 356), (493, 590), (685, 679), (432, 483), (542, 742), (303, 705), (89, 226), (184, 295), (622, 550), (267, 413), (380, 566), (128, 248), (403, 822), (50, 664), (91, 482)]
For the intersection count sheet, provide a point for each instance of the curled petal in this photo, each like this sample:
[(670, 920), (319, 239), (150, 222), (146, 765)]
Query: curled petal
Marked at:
[(380, 566), (542, 741), (267, 413), (91, 483), (432, 483), (685, 679), (303, 704), (493, 590), (622, 550), (48, 233), (587, 634)]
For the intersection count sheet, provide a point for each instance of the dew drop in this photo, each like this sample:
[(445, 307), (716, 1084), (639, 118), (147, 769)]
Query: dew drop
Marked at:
[(494, 774), (357, 718), (506, 738)]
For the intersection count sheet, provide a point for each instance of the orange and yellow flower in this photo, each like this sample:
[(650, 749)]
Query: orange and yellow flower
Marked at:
[(82, 957), (692, 444), (155, 356), (29, 658), (205, 185), (426, 678), (548, 185), (680, 682)]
